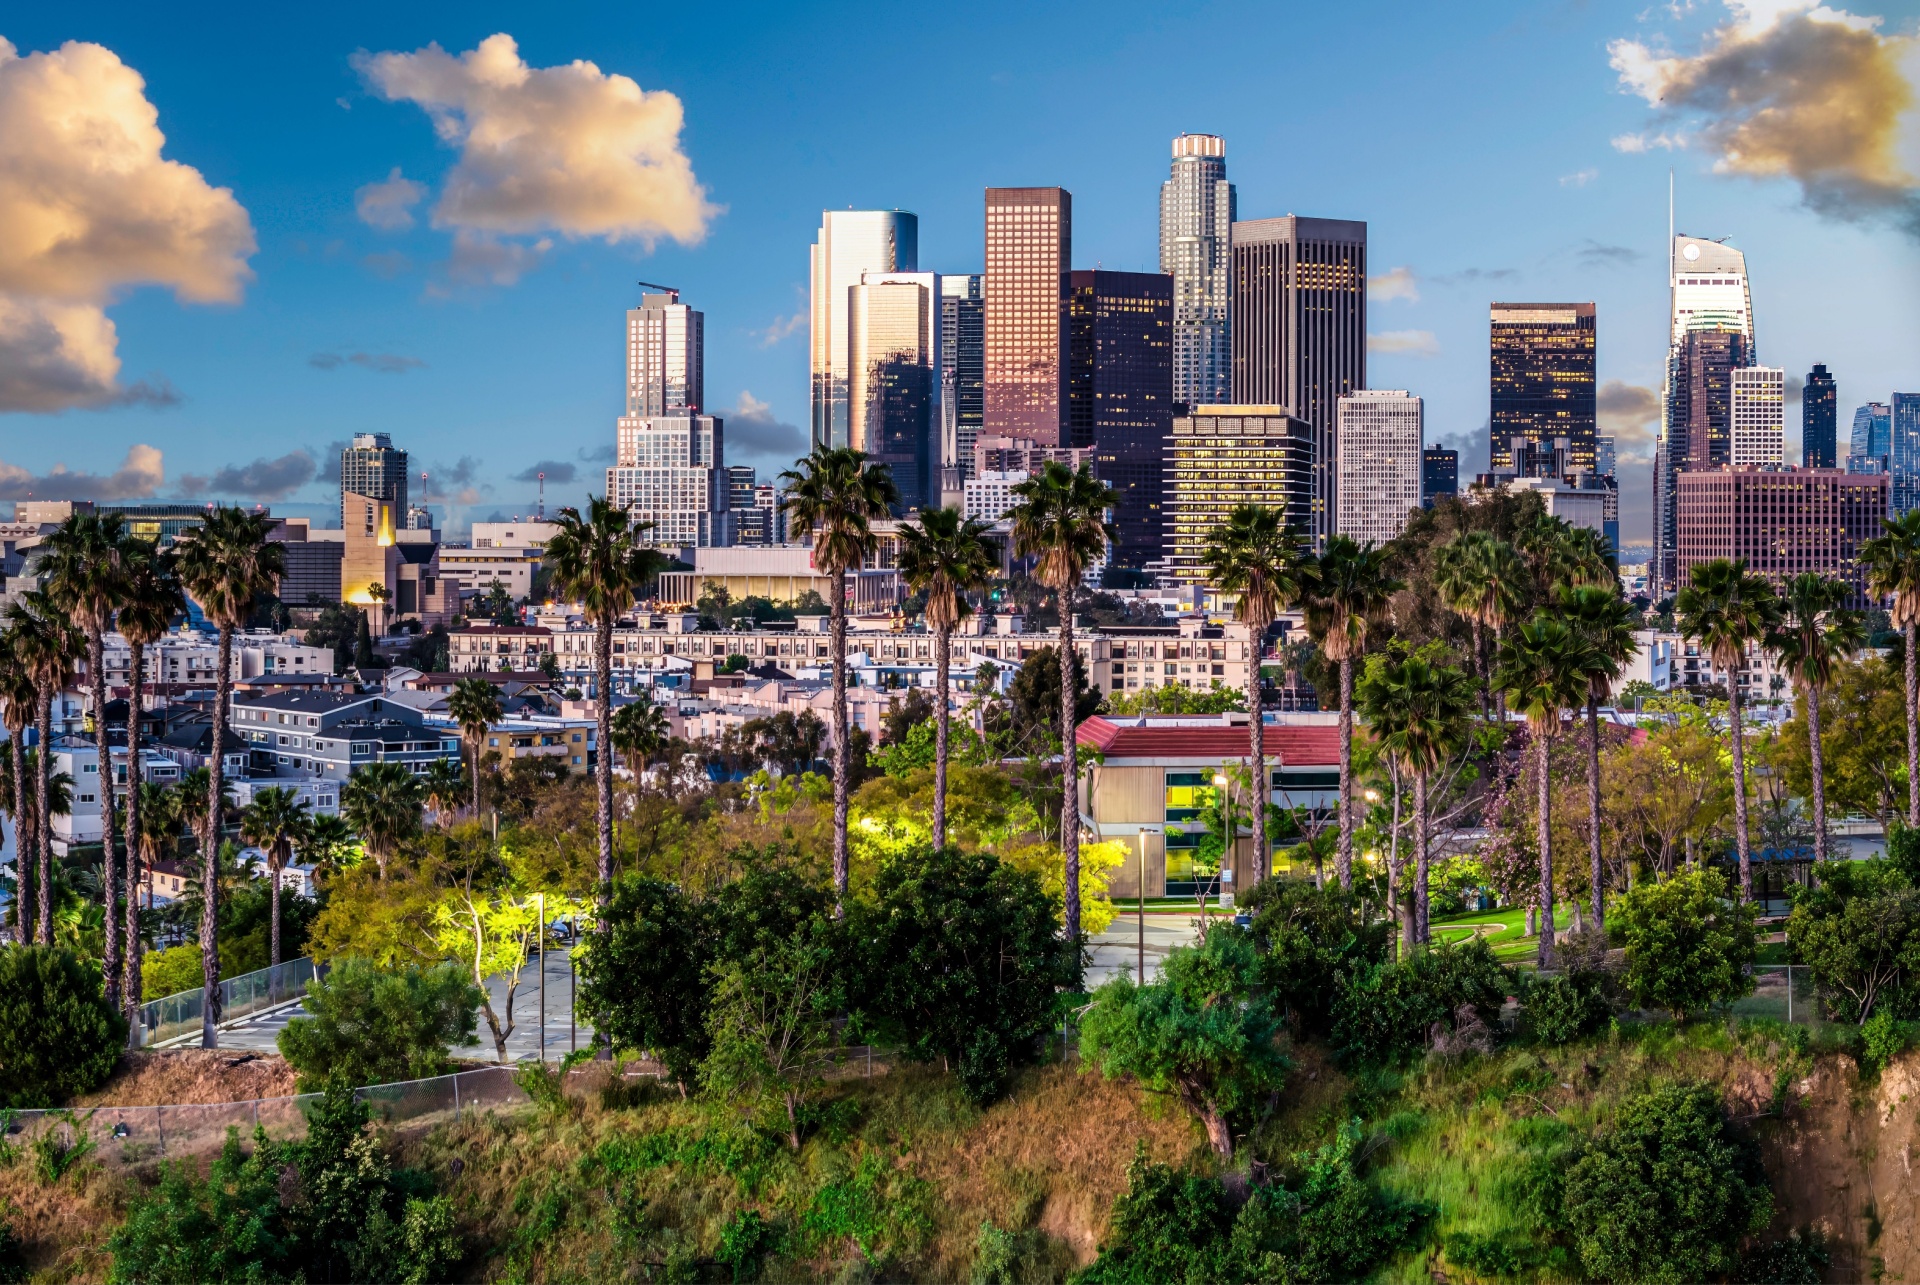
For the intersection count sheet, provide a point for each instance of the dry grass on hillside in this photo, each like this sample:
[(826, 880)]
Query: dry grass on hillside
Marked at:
[(182, 1076)]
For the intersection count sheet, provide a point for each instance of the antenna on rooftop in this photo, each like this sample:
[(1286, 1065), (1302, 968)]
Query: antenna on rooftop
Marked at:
[(543, 498)]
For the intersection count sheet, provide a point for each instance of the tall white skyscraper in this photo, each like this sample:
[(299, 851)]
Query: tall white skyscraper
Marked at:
[(1380, 436), (1759, 415), (851, 243), (1196, 229), (665, 356)]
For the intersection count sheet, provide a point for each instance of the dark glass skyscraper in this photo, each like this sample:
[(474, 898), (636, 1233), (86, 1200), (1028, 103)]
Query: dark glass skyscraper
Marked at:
[(1542, 384), (1439, 473), (1120, 351), (1819, 419), (1702, 392), (1299, 328), (963, 355)]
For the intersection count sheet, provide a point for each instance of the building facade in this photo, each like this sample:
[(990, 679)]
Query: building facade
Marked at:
[(1299, 328), (1223, 456), (1542, 380), (1783, 521), (1196, 238), (850, 244), (1380, 435), (1871, 441), (666, 356), (894, 381), (1439, 473), (1029, 242), (371, 467), (1120, 394), (1758, 411), (1820, 419), (1903, 456), (671, 471), (963, 356)]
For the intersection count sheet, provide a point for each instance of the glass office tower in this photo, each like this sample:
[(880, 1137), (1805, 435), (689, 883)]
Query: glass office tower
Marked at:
[(1029, 253), (665, 356), (963, 373), (1196, 235), (1120, 395), (371, 467), (1542, 379), (1820, 419), (851, 243), (893, 379)]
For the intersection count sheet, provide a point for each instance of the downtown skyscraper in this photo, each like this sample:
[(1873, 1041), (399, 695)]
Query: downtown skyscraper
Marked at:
[(963, 372), (1029, 254), (1196, 236), (1820, 419), (850, 244), (1542, 380), (666, 348), (894, 383), (1120, 397)]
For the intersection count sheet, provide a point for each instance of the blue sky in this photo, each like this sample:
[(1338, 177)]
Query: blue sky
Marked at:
[(1479, 142)]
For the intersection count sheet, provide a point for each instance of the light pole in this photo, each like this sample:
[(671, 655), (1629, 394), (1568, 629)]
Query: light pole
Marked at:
[(1225, 876)]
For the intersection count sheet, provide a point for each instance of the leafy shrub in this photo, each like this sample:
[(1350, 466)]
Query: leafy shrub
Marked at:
[(227, 1227), (170, 971), (745, 1242), (1667, 1192), (62, 1143), (369, 1025), (1797, 1260), (58, 1036), (1384, 1011), (1308, 938), (1858, 928), (13, 1252), (1689, 945), (1884, 1037), (1562, 1009)]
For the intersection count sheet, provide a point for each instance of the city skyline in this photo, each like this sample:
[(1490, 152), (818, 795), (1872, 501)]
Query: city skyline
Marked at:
[(488, 375)]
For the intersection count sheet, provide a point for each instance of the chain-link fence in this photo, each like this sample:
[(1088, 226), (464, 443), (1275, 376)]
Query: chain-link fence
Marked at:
[(1784, 992), (175, 1017), (120, 1137)]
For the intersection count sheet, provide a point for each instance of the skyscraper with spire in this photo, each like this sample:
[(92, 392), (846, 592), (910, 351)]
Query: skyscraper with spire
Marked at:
[(1196, 232)]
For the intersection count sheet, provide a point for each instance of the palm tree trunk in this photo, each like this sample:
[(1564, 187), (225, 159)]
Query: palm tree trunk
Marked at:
[(1545, 839), (1257, 753), (476, 777), (1913, 727), (109, 867), (130, 985), (603, 754), (210, 852), (43, 818), (273, 911), (942, 651), (842, 767), (1738, 731), (23, 845), (1598, 905), (1483, 669), (1343, 859), (1070, 773), (1819, 775), (1422, 930)]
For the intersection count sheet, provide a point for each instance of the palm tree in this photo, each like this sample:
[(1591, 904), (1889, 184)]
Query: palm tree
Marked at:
[(946, 556), (1605, 621), (150, 598), (1061, 522), (1816, 630), (475, 704), (326, 837), (1544, 668), (1893, 571), (159, 814), (48, 648), (225, 563), (640, 730), (274, 821), (17, 690), (1477, 576), (83, 560), (1419, 711), (382, 803), (1351, 591), (836, 497), (1725, 609), (1255, 555), (600, 561), (443, 783)]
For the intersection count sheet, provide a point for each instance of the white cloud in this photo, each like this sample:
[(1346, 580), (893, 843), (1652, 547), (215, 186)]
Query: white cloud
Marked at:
[(140, 474), (89, 208), (754, 430), (568, 149), (1395, 283), (388, 204), (1580, 178), (1630, 414), (1634, 144), (782, 328), (1410, 343)]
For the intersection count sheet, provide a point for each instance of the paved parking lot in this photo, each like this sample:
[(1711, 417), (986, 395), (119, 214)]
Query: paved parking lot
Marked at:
[(1118, 948)]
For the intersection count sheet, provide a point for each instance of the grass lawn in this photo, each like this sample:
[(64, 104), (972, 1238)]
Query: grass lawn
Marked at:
[(1508, 939)]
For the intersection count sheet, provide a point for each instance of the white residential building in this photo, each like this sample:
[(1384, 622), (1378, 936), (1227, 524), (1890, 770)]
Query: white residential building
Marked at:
[(476, 569), (188, 658), (1379, 437), (671, 471), (81, 762), (1759, 407), (990, 495)]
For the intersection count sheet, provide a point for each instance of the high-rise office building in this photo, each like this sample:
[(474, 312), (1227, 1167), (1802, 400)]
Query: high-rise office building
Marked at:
[(1783, 521), (893, 380), (1542, 384), (1299, 328), (1029, 253), (1903, 455), (665, 356), (963, 355), (1439, 473), (1871, 439), (1120, 397), (1710, 295), (1606, 457), (850, 244), (671, 471), (1218, 457), (371, 467), (1196, 237), (1820, 419), (1380, 435), (1759, 415)]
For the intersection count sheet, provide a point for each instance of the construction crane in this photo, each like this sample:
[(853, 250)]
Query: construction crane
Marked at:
[(655, 285)]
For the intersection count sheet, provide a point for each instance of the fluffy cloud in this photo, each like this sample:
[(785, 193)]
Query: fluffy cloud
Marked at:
[(1790, 90), (388, 204), (1411, 343), (386, 363), (140, 474), (263, 479), (783, 328), (1631, 414), (1578, 179), (559, 472), (91, 208), (1395, 283), (753, 429), (568, 149)]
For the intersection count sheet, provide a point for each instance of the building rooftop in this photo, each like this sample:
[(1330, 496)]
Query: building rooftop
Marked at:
[(307, 702), (1212, 738)]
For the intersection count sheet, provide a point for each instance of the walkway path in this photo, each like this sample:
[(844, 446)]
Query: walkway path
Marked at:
[(1117, 949)]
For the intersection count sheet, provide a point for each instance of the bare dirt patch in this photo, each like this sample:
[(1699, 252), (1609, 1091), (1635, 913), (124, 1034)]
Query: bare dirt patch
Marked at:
[(180, 1076)]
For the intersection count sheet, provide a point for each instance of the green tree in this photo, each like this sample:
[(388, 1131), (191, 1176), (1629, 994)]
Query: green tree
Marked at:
[(1419, 712), (1667, 1192), (1351, 592), (1727, 609), (946, 556), (835, 497), (370, 1025), (1688, 947), (382, 803), (1892, 560), (1060, 522), (59, 1036), (1858, 928), (474, 703), (1544, 667), (1605, 623), (1203, 1032), (1308, 938), (275, 821), (225, 563), (1477, 577), (770, 1026), (493, 928), (1816, 633), (1258, 556), (1381, 1012)]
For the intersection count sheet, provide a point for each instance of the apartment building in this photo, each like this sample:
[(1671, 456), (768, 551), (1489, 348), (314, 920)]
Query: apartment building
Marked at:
[(334, 734), (518, 648)]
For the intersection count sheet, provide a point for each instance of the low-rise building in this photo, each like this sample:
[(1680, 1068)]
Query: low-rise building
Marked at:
[(188, 658), (476, 569), (80, 760), (509, 647), (525, 736), (331, 735)]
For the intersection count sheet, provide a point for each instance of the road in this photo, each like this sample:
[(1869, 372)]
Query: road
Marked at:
[(1117, 949)]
